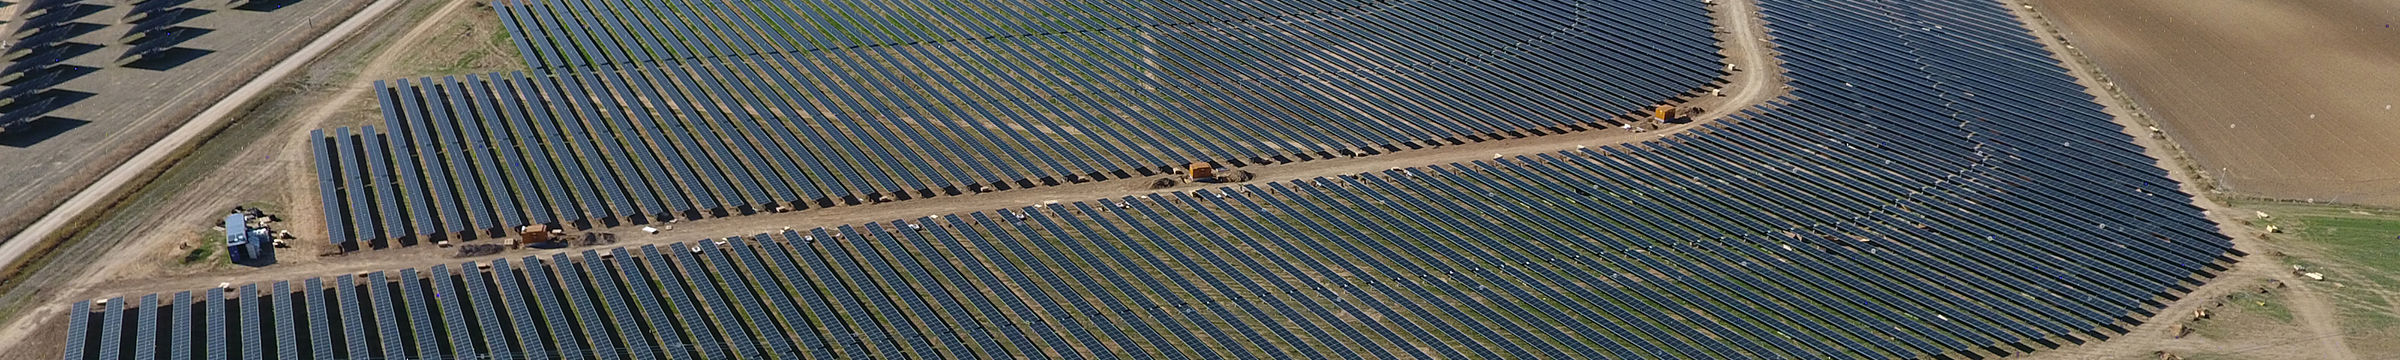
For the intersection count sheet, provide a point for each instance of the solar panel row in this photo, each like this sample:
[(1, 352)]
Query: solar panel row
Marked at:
[(914, 99), (1929, 224), (1479, 231)]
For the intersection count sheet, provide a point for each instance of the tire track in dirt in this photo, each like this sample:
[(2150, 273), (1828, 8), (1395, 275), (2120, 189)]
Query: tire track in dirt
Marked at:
[(2316, 314)]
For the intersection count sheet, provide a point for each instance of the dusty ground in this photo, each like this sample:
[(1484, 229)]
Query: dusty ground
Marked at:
[(469, 41), (2283, 99), (2300, 320)]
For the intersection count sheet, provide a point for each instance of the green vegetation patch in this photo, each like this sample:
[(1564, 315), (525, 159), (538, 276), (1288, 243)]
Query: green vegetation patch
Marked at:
[(2357, 250)]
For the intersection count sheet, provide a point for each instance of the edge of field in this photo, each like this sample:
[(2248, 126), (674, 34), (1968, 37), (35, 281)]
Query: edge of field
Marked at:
[(2261, 308)]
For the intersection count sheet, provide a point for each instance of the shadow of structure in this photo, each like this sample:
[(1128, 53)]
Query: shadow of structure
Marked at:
[(261, 5), (38, 130)]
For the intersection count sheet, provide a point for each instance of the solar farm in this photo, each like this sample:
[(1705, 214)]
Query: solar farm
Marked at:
[(857, 102), (1925, 179)]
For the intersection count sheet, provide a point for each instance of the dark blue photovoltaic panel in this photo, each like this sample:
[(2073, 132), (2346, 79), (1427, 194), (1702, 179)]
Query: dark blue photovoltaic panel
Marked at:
[(348, 297), (320, 330), (181, 329), (329, 187), (420, 316), (254, 322), (216, 335), (78, 322), (1963, 150), (547, 297), (354, 184), (453, 306), (495, 329), (595, 327), (703, 337), (387, 316), (146, 330), (112, 329), (287, 323), (816, 104), (529, 340), (379, 180), (405, 163)]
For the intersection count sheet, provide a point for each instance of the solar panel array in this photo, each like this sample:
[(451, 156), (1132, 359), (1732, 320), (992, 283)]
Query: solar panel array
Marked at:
[(650, 109), (1935, 184)]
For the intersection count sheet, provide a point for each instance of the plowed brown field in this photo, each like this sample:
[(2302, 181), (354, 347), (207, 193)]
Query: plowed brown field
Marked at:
[(2287, 99)]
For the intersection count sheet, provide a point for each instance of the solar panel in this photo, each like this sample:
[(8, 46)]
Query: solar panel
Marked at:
[(79, 322), (936, 328), (500, 178), (450, 300), (825, 323), (112, 328), (442, 99), (254, 326), (563, 337), (387, 316), (1577, 81), (286, 322), (638, 166), (355, 186), (594, 328), (181, 326), (328, 185), (320, 334), (703, 334), (585, 150), (495, 329), (728, 318), (885, 305), (379, 180), (538, 147), (621, 311), (349, 297), (529, 339), (427, 344), (859, 322), (755, 309), (423, 145), (403, 156), (217, 334), (146, 328)]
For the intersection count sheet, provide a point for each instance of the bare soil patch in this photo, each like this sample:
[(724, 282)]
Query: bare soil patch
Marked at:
[(467, 41), (2284, 99), (2302, 319)]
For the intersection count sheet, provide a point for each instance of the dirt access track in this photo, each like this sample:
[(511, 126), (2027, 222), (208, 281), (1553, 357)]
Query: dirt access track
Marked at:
[(2281, 99)]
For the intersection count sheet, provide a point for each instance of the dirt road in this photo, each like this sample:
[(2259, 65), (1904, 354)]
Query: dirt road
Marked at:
[(1759, 78)]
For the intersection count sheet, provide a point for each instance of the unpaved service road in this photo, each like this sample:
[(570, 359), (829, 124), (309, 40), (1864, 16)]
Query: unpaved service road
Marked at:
[(2290, 99)]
